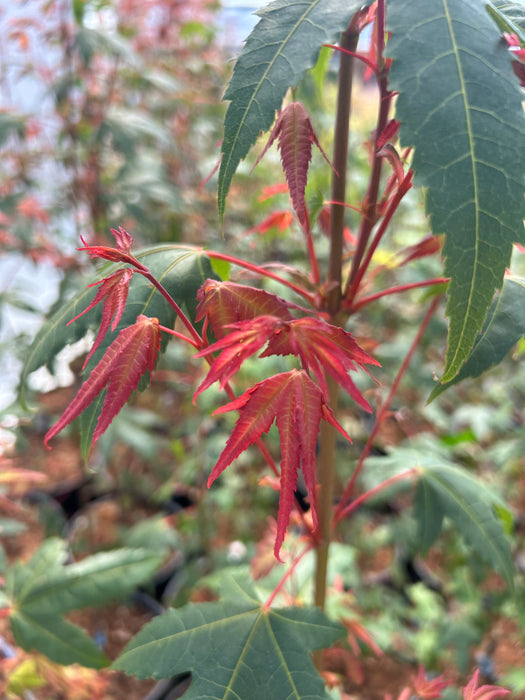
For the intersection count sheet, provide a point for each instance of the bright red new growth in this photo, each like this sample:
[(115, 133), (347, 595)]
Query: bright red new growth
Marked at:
[(114, 289), (320, 346), (297, 405), (224, 303), (484, 692), (132, 353), (296, 134), (122, 252), (279, 220), (427, 689)]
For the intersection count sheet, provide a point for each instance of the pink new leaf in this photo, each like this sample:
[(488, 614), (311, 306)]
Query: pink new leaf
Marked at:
[(114, 289), (296, 134), (132, 353), (484, 692), (297, 405), (429, 688)]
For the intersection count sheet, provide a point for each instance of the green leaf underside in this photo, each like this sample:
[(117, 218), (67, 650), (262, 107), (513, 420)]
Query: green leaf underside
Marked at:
[(267, 654), (460, 108), (283, 46), (503, 327), (445, 490)]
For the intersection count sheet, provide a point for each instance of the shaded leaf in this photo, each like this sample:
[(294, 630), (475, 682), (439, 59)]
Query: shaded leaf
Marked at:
[(503, 327), (267, 654), (282, 47), (449, 491), (60, 640), (460, 108), (296, 404)]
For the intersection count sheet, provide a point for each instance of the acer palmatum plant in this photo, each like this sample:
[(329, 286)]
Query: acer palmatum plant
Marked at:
[(450, 120)]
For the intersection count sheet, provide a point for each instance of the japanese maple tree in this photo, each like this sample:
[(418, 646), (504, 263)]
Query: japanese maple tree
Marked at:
[(449, 120)]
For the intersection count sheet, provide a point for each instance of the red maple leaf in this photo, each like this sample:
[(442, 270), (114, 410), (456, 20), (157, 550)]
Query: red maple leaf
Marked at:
[(321, 347), (225, 303), (484, 692), (297, 405), (130, 355), (279, 220), (114, 289), (296, 134)]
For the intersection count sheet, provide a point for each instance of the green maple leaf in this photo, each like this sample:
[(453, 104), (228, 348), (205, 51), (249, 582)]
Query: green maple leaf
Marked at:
[(235, 648), (460, 108)]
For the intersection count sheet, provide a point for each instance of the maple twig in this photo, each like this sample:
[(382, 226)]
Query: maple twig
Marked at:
[(369, 218), (354, 54), (349, 41), (401, 191), (286, 576), (396, 290), (181, 336), (316, 277), (263, 272), (358, 502), (199, 343), (385, 408)]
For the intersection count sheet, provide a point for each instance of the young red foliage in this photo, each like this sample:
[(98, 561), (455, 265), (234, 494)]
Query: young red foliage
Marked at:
[(279, 220), (484, 692), (426, 688), (225, 303), (296, 134), (132, 353), (122, 252), (320, 346), (114, 289), (296, 404)]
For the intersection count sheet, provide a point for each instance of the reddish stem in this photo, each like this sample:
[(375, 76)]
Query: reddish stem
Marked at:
[(358, 502), (369, 218), (261, 271), (199, 343), (384, 409), (316, 277), (181, 336), (402, 190), (286, 576), (369, 63), (396, 290)]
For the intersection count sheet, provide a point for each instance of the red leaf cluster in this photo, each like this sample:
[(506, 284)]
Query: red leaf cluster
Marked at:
[(320, 346)]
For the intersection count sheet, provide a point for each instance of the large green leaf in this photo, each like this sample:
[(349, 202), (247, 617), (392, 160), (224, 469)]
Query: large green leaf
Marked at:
[(282, 47), (40, 591), (509, 16), (503, 327), (181, 269), (459, 106), (235, 648)]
